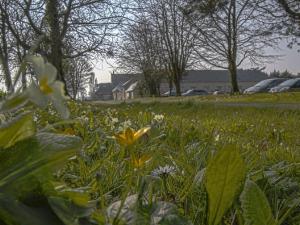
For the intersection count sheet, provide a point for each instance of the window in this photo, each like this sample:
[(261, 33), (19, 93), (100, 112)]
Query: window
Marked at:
[(297, 84)]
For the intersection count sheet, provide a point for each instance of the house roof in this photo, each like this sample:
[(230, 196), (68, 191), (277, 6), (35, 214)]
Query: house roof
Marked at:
[(210, 76), (103, 89), (132, 87), (124, 81), (122, 78)]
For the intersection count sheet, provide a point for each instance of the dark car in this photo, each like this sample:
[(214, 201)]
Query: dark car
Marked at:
[(193, 92), (288, 85), (264, 85)]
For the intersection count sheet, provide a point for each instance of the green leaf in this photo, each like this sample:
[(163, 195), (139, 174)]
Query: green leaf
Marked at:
[(68, 212), (35, 155), (16, 130), (224, 176), (255, 205), (13, 102), (14, 212)]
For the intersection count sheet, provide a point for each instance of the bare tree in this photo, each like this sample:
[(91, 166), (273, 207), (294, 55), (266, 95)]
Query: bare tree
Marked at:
[(235, 33), (78, 75), (140, 52), (292, 8), (85, 25), (175, 36), (4, 53)]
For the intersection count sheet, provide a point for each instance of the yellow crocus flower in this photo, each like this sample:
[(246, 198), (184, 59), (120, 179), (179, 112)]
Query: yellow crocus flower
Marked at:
[(140, 162), (129, 136)]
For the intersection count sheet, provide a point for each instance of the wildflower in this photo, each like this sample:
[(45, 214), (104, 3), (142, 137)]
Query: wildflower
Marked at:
[(129, 136), (47, 88), (127, 123), (114, 120), (141, 161), (164, 171), (158, 118)]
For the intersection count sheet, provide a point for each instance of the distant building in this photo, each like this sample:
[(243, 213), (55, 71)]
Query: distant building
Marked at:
[(124, 86), (102, 91)]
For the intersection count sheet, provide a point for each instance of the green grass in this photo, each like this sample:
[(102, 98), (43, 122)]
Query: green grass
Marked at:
[(285, 98), (189, 135)]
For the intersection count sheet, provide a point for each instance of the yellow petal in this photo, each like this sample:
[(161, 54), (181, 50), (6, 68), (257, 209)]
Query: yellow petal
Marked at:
[(141, 132), (140, 162), (44, 86), (129, 136)]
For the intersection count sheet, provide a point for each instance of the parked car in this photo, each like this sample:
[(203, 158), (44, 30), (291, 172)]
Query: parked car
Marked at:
[(264, 85), (288, 85), (193, 92), (173, 93), (219, 92)]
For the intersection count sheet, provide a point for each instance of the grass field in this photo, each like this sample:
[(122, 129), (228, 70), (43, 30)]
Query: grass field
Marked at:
[(214, 160), (284, 98), (187, 135)]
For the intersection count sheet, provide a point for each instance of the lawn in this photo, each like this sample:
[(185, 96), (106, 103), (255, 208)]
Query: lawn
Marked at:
[(167, 161), (188, 135)]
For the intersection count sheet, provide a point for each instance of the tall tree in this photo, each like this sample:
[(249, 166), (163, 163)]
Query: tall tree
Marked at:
[(140, 52), (78, 75), (236, 32), (4, 53), (84, 25), (176, 36)]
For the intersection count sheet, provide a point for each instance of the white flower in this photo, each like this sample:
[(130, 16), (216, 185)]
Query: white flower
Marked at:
[(47, 89), (159, 118), (114, 120), (164, 171), (127, 123)]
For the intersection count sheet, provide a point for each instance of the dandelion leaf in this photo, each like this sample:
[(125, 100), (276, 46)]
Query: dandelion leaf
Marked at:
[(256, 209), (224, 176)]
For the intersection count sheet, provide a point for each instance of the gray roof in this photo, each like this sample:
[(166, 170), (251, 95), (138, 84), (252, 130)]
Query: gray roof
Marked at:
[(132, 87), (103, 88), (122, 78), (124, 81), (210, 76)]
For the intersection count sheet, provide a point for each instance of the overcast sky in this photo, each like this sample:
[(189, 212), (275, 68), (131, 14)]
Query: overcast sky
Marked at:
[(290, 60)]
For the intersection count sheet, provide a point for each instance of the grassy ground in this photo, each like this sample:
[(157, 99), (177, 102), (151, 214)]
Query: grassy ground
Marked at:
[(187, 135), (273, 132), (280, 98)]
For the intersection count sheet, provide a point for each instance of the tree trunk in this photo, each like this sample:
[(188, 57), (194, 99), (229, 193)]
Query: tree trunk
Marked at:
[(177, 85), (4, 57), (55, 39), (6, 72), (233, 77), (24, 82), (232, 46)]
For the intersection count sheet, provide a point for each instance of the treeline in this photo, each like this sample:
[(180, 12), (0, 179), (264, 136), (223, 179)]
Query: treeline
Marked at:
[(167, 37), (159, 38), (285, 74)]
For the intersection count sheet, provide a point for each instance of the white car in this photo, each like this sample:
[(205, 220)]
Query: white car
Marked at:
[(289, 85), (264, 85)]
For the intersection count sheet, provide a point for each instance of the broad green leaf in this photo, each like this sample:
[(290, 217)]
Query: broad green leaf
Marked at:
[(34, 155), (225, 174), (255, 205), (16, 130), (68, 212), (14, 212), (13, 102)]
